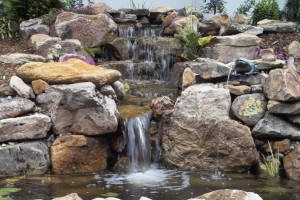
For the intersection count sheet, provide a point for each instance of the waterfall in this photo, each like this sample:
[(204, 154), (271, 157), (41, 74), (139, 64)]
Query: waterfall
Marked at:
[(138, 142)]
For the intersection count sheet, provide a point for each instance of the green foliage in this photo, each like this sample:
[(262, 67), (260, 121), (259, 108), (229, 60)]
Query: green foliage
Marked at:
[(94, 51), (291, 10), (272, 164), (142, 5), (191, 40), (50, 17), (245, 7), (214, 6), (8, 28), (4, 192), (265, 9), (19, 10)]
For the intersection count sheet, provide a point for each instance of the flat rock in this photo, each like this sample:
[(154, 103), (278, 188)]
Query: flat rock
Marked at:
[(238, 89), (21, 88), (72, 196), (25, 158), (21, 58), (24, 128), (284, 107), (71, 71), (15, 107), (228, 194), (277, 26), (291, 163), (267, 65), (78, 154), (273, 127), (295, 119), (33, 26), (283, 85), (249, 108)]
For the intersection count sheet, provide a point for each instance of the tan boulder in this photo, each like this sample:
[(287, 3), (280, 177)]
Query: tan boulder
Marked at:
[(39, 86), (241, 19), (294, 49), (291, 164), (39, 38), (163, 9), (238, 89), (77, 153), (71, 71), (167, 20), (221, 18), (100, 7), (188, 78)]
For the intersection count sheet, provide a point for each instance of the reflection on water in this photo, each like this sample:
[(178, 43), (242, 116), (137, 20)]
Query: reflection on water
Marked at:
[(156, 183)]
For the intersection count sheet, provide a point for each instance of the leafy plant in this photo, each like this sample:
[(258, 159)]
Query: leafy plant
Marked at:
[(8, 28), (292, 10), (272, 163), (94, 51), (214, 6), (265, 9), (50, 17), (245, 7), (4, 192), (136, 6), (19, 10)]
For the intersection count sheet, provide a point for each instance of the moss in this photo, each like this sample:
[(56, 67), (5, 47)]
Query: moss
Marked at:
[(251, 107)]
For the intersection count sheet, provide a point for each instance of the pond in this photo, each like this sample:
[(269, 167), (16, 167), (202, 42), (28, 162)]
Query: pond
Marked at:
[(157, 183)]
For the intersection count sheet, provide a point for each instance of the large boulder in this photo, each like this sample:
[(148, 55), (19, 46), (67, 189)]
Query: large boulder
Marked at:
[(291, 163), (121, 48), (79, 109), (200, 134), (33, 26), (24, 158), (21, 58), (277, 26), (284, 107), (273, 127), (90, 30), (250, 108), (228, 194), (71, 71), (24, 128), (15, 107), (78, 154), (283, 85), (228, 48)]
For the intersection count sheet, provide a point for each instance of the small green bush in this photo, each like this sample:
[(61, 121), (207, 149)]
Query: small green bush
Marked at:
[(291, 10), (265, 9), (8, 28), (19, 10), (50, 18)]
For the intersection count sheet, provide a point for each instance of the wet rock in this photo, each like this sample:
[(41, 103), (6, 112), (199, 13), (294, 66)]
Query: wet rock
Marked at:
[(24, 158), (273, 127), (267, 65), (227, 194), (227, 48), (159, 105), (79, 109), (15, 107), (33, 26), (125, 67), (284, 107), (119, 144), (294, 49), (78, 154), (39, 86), (291, 163), (99, 29), (283, 85), (21, 88), (72, 196), (188, 78), (119, 89), (21, 58), (277, 26), (295, 119), (282, 146), (71, 71), (238, 89), (123, 48), (249, 108), (200, 125), (22, 128)]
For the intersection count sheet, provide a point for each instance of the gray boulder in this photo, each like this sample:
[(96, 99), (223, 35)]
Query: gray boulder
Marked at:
[(277, 26), (15, 107), (291, 163), (284, 107), (250, 108), (21, 58), (227, 194), (24, 128), (24, 158), (33, 26), (79, 109), (273, 127), (199, 128), (98, 29)]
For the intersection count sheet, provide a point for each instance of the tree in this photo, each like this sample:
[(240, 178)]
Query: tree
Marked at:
[(214, 6), (245, 7), (292, 10)]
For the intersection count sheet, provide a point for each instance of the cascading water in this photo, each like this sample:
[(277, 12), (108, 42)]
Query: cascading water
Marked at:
[(138, 142)]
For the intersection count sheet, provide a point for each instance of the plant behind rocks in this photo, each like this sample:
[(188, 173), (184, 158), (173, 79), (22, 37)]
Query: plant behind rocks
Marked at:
[(265, 9), (292, 10)]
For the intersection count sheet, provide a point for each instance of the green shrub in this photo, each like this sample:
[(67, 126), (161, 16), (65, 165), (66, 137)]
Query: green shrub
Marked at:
[(245, 7), (272, 163), (19, 10), (214, 6), (265, 9), (50, 18), (291, 10), (8, 28)]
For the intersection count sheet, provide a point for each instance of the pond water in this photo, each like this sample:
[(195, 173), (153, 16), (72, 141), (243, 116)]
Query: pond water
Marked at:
[(157, 183)]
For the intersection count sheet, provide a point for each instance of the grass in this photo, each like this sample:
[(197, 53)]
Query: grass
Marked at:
[(272, 163)]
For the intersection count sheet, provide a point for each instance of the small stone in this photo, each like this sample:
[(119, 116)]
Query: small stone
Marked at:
[(238, 90), (39, 86), (281, 146), (21, 88)]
